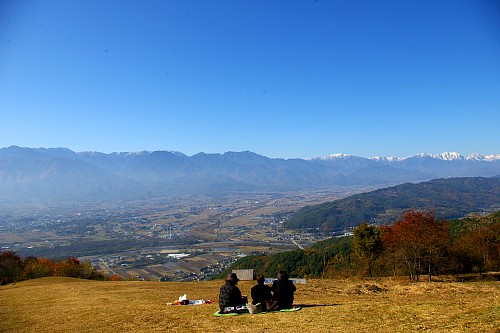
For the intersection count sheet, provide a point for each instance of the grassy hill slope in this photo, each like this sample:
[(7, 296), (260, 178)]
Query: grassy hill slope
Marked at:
[(72, 305)]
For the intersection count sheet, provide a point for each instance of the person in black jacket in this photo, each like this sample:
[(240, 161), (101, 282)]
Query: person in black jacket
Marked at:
[(283, 290), (261, 293), (230, 294)]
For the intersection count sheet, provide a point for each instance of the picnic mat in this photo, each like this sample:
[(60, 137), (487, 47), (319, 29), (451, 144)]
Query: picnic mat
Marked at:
[(218, 314)]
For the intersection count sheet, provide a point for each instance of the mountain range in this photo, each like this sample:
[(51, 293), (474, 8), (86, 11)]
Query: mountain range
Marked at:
[(60, 174)]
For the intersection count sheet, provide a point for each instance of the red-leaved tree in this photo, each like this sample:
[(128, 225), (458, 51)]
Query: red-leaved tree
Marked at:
[(417, 241), (38, 267)]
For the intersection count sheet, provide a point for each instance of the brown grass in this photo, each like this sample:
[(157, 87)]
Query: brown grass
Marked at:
[(384, 305)]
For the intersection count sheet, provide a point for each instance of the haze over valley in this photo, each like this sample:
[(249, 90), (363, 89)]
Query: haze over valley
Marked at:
[(182, 237), (151, 215)]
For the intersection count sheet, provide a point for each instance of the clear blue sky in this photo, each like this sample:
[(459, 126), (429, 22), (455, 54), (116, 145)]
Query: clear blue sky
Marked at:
[(279, 78)]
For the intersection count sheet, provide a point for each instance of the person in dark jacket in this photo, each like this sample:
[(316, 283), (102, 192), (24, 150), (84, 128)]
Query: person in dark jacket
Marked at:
[(283, 290), (230, 294), (261, 293)]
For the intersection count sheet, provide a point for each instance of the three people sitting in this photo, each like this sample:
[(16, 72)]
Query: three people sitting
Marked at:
[(279, 296)]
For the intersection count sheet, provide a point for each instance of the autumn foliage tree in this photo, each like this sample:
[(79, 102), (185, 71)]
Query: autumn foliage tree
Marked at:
[(11, 267), (38, 267), (72, 267), (69, 267), (418, 242), (477, 250)]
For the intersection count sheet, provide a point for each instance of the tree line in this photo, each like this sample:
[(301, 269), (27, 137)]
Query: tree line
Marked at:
[(13, 268), (417, 244)]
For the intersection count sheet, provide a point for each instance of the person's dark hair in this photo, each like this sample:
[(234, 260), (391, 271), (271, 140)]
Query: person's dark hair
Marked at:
[(282, 276), (260, 279), (232, 278)]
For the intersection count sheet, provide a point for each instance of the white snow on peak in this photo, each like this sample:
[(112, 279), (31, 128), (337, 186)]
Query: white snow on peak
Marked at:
[(131, 153), (331, 157), (449, 156), (177, 153), (471, 157), (445, 156), (479, 157), (386, 159), (492, 157), (474, 157)]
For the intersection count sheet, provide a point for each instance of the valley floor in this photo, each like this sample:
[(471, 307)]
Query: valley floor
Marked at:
[(382, 305)]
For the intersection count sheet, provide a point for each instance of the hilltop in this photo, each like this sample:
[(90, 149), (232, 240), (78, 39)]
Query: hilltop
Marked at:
[(383, 305)]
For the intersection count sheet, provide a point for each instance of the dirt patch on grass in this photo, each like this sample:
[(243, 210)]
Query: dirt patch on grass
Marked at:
[(367, 288)]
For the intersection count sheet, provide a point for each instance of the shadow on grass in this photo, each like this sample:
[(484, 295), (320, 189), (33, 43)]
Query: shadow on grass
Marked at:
[(471, 277), (317, 305)]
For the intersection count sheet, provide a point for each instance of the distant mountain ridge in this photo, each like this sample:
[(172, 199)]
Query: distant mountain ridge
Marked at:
[(449, 198), (53, 174), (445, 156)]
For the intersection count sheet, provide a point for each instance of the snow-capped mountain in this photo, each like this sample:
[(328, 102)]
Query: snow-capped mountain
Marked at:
[(38, 174), (492, 157), (333, 157), (445, 156)]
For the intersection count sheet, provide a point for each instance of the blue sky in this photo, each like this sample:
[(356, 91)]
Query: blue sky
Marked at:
[(289, 79)]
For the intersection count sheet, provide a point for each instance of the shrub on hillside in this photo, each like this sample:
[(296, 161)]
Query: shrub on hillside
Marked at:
[(11, 267), (69, 267), (38, 267)]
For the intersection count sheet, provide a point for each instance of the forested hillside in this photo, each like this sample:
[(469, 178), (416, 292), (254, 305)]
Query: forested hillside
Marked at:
[(470, 245), (310, 262), (449, 198)]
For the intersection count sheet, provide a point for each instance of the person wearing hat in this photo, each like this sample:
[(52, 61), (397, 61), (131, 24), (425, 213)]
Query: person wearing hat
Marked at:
[(230, 294)]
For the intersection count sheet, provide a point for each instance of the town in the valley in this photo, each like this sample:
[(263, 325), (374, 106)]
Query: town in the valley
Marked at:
[(180, 238)]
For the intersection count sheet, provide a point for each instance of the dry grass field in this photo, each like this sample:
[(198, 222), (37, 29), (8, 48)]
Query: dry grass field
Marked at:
[(382, 305)]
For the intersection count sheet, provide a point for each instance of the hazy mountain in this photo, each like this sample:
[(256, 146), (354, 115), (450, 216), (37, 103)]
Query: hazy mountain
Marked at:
[(42, 175), (447, 164), (448, 198), (60, 174)]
